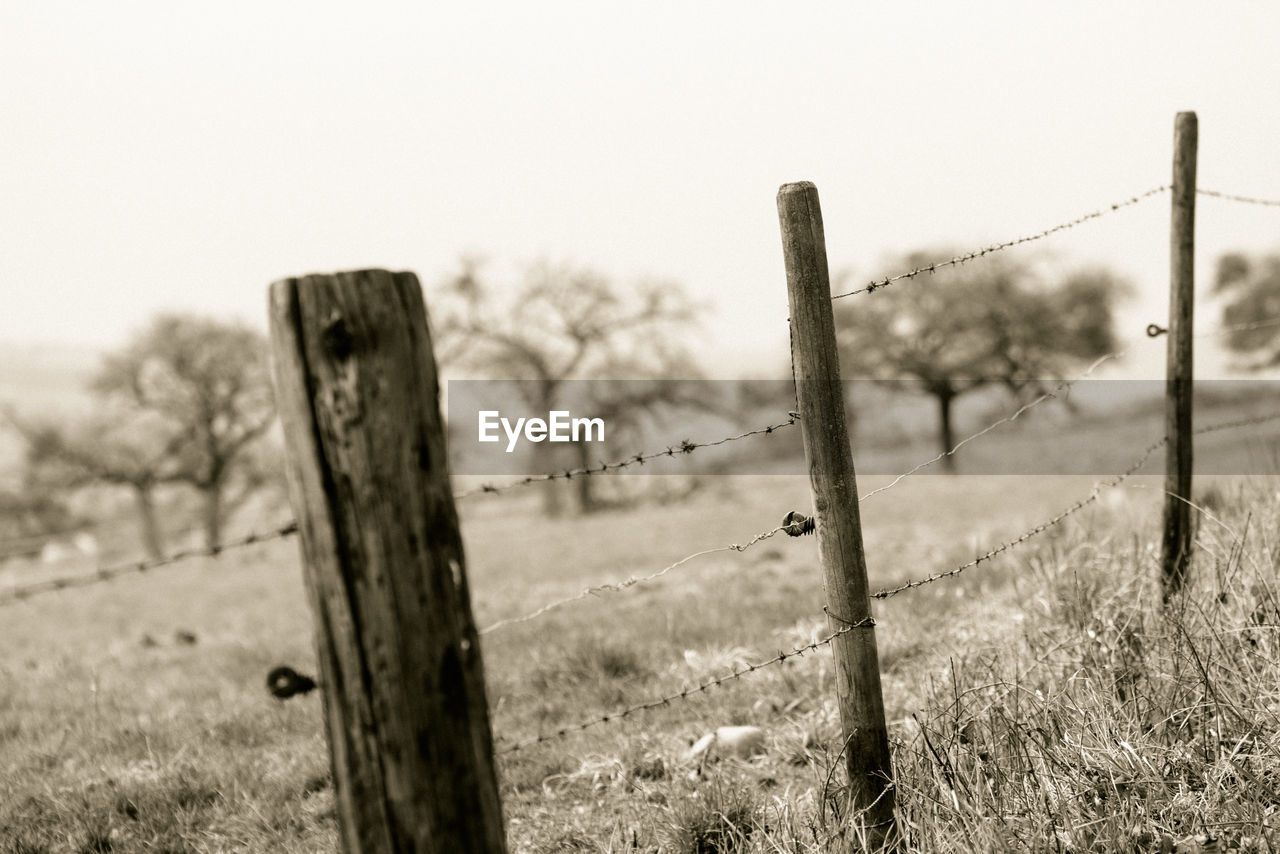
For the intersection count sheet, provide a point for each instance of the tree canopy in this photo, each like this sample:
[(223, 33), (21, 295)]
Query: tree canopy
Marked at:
[(1250, 288), (564, 323), (184, 402), (994, 322)]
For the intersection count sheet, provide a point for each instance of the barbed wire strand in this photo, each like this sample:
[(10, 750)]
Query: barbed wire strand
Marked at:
[(1074, 508), (108, 573), (619, 586), (686, 693), (685, 447), (999, 247), (1249, 200)]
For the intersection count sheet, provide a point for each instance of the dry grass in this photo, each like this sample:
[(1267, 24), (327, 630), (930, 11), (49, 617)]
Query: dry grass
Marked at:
[(1044, 701)]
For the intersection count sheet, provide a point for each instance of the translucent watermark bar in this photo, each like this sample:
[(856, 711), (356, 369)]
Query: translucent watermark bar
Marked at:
[(519, 428)]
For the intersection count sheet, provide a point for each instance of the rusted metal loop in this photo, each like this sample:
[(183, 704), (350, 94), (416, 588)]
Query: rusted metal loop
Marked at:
[(285, 682), (797, 524), (1155, 330)]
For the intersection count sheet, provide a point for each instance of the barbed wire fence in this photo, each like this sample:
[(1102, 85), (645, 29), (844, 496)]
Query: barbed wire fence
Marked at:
[(794, 525), (667, 699), (113, 571)]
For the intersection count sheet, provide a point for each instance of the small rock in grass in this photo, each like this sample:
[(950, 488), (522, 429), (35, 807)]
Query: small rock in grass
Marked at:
[(741, 742)]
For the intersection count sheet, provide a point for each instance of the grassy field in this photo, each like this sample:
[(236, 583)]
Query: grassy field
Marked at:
[(1041, 701)]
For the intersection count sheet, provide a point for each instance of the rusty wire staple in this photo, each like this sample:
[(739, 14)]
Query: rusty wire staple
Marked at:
[(107, 573), (597, 589), (1074, 508), (684, 447), (686, 693), (987, 250), (1249, 200)]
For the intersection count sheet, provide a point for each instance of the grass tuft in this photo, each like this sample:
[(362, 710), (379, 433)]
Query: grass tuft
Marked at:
[(717, 819)]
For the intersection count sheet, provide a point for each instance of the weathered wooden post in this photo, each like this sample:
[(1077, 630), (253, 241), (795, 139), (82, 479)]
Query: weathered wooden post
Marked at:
[(403, 682), (1176, 553), (835, 500)]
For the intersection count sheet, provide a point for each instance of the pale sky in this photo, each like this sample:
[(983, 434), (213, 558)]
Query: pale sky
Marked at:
[(162, 155)]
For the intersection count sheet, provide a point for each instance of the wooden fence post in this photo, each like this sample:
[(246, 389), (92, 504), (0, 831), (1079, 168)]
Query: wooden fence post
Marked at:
[(400, 664), (1176, 553), (835, 499)]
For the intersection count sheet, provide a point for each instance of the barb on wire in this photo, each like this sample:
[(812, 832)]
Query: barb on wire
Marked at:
[(1074, 508), (998, 247), (685, 447), (1249, 200), (686, 693), (108, 573), (619, 586), (1061, 387)]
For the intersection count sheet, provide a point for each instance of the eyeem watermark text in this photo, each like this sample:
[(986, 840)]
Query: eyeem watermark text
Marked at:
[(558, 426)]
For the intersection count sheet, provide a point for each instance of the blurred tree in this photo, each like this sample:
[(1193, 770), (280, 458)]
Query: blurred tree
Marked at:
[(112, 446), (563, 324), (29, 516), (208, 384), (1251, 288), (993, 322), (184, 403)]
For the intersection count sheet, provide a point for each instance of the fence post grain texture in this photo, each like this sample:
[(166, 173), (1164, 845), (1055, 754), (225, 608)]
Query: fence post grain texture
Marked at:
[(1176, 551), (400, 664), (835, 498)]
